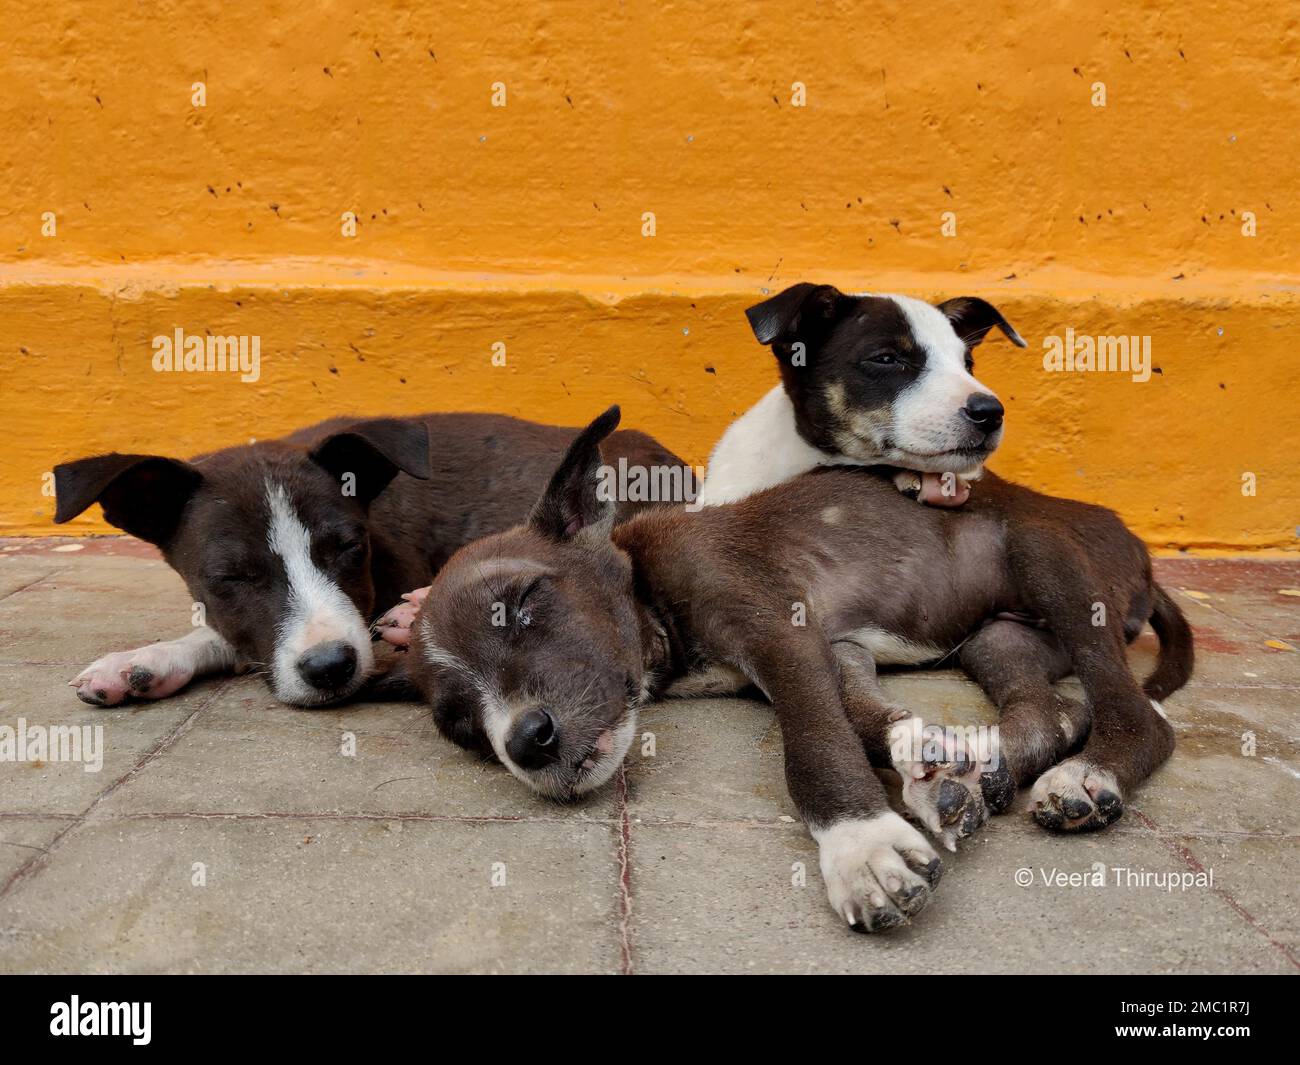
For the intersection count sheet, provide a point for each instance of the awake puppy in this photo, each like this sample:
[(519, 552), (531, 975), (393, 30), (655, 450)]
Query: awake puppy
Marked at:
[(868, 380)]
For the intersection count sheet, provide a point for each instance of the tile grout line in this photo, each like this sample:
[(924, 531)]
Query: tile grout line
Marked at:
[(32, 584), (360, 817), (624, 853), (37, 862), (1200, 835), (1194, 864)]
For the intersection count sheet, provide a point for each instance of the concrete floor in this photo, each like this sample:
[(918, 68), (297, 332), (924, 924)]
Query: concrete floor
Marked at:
[(226, 832)]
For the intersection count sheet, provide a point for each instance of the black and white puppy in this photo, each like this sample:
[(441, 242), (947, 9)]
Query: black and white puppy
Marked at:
[(868, 380), (291, 546)]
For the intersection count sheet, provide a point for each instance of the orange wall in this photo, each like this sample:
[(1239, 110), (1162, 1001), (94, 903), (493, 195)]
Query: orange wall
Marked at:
[(523, 223)]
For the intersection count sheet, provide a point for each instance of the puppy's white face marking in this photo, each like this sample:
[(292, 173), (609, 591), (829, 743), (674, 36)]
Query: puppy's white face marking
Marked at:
[(436, 656), (318, 610), (499, 716), (920, 428), (611, 749), (927, 418)]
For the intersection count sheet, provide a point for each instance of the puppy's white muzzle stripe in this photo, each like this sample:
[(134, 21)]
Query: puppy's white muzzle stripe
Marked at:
[(927, 415), (318, 610)]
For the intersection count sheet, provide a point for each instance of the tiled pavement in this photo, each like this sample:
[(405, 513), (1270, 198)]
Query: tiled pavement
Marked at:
[(225, 832)]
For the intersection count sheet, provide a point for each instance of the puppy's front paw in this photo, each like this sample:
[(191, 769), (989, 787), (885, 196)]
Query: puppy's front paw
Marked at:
[(152, 672), (944, 784), (879, 871), (395, 625), (1076, 796)]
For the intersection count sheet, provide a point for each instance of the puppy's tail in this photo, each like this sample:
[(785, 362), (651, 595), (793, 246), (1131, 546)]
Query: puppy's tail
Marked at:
[(1176, 659)]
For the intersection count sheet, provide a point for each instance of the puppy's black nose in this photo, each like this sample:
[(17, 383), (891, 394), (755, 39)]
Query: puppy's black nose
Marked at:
[(328, 666), (533, 742), (984, 410)]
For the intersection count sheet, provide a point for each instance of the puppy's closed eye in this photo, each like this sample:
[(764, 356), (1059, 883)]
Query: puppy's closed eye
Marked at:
[(529, 603), (231, 580)]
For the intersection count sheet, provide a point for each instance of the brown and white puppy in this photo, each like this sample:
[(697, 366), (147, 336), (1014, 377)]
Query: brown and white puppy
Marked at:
[(867, 380), (536, 645), (290, 544)]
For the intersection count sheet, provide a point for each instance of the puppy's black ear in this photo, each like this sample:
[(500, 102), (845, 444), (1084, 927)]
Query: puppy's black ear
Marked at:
[(143, 495), (577, 499), (373, 452), (800, 309), (973, 317)]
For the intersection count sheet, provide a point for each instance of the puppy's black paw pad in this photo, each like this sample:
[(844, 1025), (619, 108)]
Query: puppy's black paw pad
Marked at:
[(1109, 804), (999, 789), (883, 920), (1050, 818), (1076, 797), (140, 679), (953, 802), (931, 872), (912, 900), (1073, 809)]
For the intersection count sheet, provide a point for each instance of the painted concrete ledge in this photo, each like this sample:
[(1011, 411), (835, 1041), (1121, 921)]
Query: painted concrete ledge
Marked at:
[(1171, 453)]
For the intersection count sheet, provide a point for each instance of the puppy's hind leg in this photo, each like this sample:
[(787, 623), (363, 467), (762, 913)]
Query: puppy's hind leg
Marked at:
[(1017, 665), (154, 671), (1130, 736)]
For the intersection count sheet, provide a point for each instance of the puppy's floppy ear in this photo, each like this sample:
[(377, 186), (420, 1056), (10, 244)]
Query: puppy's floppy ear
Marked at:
[(800, 308), (972, 318), (573, 500), (143, 495), (374, 452)]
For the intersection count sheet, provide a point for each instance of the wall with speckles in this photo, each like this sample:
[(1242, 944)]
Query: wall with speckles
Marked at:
[(936, 154)]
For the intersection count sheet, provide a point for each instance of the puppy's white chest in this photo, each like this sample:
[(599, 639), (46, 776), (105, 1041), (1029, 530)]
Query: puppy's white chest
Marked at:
[(760, 449)]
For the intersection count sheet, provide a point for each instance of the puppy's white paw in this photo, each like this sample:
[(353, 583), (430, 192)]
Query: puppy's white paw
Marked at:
[(944, 784), (152, 672), (879, 871), (1076, 796)]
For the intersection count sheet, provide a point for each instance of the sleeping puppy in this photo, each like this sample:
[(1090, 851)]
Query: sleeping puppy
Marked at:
[(536, 646), (866, 380), (290, 545)]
